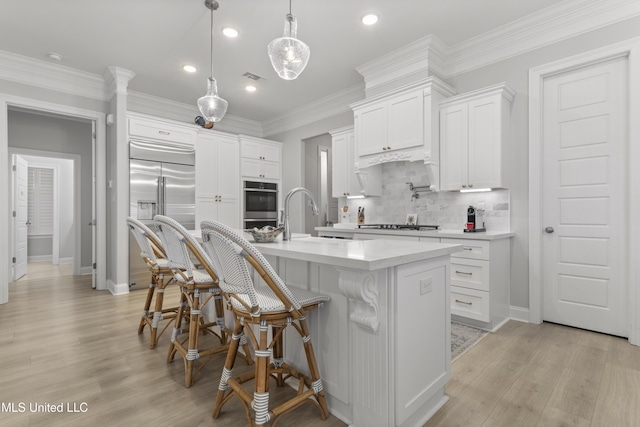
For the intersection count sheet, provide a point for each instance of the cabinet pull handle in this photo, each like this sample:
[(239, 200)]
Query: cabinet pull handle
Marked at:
[(464, 272), (467, 249), (164, 132), (464, 302)]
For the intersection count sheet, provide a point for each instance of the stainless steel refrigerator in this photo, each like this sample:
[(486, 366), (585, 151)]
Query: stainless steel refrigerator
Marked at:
[(161, 182)]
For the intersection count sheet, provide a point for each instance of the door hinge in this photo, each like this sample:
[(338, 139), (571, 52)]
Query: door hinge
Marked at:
[(14, 214), (94, 265), (13, 260), (13, 168)]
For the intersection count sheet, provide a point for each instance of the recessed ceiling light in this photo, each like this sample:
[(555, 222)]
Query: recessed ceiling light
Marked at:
[(369, 19), (230, 32), (250, 88), (189, 68), (55, 56)]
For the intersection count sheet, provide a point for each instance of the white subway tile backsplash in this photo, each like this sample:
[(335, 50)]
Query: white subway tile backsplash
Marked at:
[(446, 209)]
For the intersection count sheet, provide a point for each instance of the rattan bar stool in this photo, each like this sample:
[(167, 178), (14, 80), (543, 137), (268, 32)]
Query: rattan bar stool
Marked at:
[(193, 272), (154, 255), (274, 306)]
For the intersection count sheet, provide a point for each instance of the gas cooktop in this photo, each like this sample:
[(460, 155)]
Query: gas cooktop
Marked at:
[(418, 227)]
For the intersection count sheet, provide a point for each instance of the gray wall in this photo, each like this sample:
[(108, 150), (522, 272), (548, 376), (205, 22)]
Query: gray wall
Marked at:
[(60, 135)]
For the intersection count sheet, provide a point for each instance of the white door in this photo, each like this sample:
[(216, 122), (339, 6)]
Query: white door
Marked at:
[(583, 196), (21, 192)]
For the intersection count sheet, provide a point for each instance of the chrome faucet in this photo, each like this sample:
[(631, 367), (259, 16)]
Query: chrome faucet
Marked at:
[(314, 207)]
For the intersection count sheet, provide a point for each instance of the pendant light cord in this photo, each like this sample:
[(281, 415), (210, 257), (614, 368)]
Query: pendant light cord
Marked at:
[(211, 42)]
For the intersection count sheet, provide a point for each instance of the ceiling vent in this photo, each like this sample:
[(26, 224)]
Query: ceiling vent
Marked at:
[(252, 76)]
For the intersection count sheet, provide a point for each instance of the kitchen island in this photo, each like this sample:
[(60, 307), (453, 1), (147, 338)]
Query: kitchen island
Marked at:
[(383, 341)]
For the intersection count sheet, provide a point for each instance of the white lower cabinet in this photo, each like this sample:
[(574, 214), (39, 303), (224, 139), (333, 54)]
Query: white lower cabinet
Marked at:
[(480, 276)]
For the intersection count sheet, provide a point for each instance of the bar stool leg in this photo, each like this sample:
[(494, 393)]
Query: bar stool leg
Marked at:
[(177, 329), (234, 344), (194, 330), (147, 304), (314, 372), (261, 388)]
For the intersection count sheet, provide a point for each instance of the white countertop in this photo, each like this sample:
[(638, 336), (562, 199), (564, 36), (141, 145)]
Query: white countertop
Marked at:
[(359, 254), (452, 234)]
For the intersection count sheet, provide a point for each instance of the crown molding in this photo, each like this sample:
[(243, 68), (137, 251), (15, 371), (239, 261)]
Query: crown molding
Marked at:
[(323, 108), (553, 24), (34, 72)]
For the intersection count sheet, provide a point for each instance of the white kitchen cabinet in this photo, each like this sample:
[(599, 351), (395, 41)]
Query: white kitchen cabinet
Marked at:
[(218, 178), (391, 123), (480, 276), (345, 180), (260, 158), (474, 128), (401, 125), (147, 128)]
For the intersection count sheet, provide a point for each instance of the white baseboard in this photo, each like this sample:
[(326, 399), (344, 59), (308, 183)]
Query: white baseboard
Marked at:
[(117, 288), (66, 260), (86, 270), (39, 258), (520, 314)]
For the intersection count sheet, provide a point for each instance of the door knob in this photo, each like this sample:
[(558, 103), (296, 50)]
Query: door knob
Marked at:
[(549, 230)]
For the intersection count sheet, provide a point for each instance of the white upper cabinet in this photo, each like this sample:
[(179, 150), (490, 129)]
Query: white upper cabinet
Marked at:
[(260, 158), (218, 178), (390, 124), (401, 125), (161, 130), (345, 180), (474, 127)]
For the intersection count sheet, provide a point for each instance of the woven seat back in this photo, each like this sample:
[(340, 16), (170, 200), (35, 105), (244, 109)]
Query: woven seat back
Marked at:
[(243, 249), (182, 248), (150, 245)]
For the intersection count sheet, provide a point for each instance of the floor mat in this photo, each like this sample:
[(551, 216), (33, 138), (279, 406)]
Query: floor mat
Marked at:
[(463, 337)]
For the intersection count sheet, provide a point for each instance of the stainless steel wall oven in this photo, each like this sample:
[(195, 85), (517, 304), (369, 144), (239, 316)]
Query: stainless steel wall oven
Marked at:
[(260, 204)]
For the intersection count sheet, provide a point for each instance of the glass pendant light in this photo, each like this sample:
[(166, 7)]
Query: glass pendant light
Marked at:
[(289, 55), (212, 107)]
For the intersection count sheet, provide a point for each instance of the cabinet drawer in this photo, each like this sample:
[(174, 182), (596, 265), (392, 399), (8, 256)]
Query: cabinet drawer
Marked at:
[(149, 129), (472, 249), (470, 303), (470, 273)]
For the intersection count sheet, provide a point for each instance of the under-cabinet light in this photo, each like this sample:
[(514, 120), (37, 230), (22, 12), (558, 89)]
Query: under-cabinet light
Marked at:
[(356, 197), (475, 190)]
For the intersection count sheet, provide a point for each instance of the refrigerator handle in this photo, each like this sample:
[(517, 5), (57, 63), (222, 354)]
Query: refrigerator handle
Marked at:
[(159, 196), (164, 195)]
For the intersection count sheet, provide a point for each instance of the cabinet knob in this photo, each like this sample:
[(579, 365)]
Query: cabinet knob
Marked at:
[(549, 230), (470, 185), (384, 148), (388, 148), (464, 186)]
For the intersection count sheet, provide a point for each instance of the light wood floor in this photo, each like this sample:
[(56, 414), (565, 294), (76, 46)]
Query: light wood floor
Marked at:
[(544, 375), (61, 342)]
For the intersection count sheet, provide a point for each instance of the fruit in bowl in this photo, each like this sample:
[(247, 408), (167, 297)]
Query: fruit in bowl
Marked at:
[(265, 234)]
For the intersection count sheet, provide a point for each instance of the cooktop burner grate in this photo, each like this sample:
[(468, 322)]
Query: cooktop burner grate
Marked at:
[(418, 227)]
